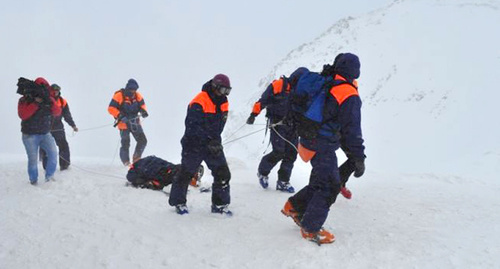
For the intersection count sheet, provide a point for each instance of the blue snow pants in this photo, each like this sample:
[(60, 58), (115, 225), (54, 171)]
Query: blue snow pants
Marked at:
[(282, 151), (314, 200), (32, 144), (192, 156)]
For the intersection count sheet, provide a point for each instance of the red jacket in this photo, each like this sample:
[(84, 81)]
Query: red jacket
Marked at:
[(37, 118)]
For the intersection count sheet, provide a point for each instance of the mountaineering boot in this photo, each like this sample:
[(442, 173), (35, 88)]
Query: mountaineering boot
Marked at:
[(196, 180), (289, 211), (222, 209), (321, 237), (284, 186), (346, 192), (263, 180), (181, 209)]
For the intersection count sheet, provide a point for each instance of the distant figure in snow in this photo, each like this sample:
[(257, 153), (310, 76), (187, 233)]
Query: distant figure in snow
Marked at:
[(58, 132), (205, 121), (125, 107), (284, 138), (36, 108), (340, 127), (155, 173)]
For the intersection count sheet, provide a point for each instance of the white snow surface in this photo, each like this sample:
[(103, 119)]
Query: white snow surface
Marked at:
[(86, 220), (429, 198)]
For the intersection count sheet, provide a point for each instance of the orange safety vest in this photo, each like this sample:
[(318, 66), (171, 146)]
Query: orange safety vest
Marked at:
[(208, 106), (119, 98)]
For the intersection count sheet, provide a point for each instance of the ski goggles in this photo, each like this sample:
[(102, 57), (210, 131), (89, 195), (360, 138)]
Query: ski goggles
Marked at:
[(224, 90)]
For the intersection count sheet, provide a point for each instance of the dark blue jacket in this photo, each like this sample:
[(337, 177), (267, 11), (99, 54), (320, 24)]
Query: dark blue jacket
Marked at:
[(274, 99), (341, 126), (206, 117), (152, 167), (66, 114)]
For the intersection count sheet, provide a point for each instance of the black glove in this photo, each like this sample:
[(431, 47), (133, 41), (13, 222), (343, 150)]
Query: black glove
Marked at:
[(251, 119), (359, 169), (144, 114), (215, 147)]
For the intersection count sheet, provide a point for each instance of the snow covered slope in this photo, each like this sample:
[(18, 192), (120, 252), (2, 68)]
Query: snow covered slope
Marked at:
[(430, 72), (91, 220)]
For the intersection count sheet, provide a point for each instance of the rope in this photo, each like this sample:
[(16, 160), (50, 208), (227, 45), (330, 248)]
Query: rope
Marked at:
[(236, 130), (93, 128), (254, 132), (90, 171), (116, 151), (241, 137), (274, 129)]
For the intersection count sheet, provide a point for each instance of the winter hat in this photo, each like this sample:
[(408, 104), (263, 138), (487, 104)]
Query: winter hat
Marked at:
[(55, 87), (132, 85), (221, 80), (347, 65)]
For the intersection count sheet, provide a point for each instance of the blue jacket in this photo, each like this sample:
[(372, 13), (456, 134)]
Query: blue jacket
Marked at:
[(206, 117)]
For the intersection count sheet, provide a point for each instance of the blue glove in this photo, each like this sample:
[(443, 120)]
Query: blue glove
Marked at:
[(124, 119)]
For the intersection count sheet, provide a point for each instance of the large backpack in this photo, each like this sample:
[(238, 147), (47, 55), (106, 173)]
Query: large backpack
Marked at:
[(307, 102)]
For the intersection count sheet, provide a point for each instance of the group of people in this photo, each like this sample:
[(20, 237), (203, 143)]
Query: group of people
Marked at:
[(340, 127), (42, 109)]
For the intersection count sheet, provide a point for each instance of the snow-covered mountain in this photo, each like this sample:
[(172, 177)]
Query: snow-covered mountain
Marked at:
[(429, 72), (429, 77)]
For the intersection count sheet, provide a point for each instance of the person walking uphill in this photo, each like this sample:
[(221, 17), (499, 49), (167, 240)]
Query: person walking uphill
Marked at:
[(205, 121), (36, 108), (340, 127), (58, 132), (125, 107), (275, 100)]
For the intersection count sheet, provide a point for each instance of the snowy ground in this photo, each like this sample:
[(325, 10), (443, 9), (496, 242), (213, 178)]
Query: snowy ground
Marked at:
[(86, 220)]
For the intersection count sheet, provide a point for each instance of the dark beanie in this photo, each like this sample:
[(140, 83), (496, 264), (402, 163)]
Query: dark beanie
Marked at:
[(132, 85), (347, 65)]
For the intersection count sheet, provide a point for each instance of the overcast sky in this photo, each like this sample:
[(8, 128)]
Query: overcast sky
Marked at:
[(92, 47)]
